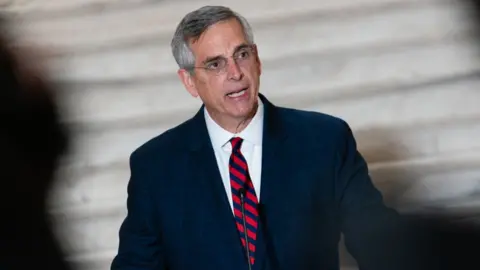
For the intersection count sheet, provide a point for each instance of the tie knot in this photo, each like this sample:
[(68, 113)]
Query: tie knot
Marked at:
[(236, 143)]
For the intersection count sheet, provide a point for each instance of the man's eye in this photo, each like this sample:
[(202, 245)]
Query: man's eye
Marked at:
[(243, 54), (213, 65)]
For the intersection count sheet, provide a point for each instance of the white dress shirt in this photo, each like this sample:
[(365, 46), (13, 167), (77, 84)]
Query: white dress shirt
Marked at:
[(251, 148)]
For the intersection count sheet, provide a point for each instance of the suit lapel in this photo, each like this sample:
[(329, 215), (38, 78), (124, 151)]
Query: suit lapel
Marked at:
[(274, 176), (274, 163), (214, 202)]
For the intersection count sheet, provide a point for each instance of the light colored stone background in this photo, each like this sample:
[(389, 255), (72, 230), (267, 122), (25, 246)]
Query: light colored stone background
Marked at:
[(403, 73)]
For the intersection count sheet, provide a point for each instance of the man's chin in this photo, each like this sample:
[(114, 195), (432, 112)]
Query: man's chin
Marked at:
[(247, 111)]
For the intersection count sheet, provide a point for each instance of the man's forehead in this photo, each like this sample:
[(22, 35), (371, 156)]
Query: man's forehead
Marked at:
[(219, 39)]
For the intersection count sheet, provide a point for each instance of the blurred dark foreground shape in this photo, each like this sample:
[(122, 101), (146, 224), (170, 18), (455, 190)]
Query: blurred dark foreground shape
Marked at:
[(31, 141), (450, 241), (443, 242)]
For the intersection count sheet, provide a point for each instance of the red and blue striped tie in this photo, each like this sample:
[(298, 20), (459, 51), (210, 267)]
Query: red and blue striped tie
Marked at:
[(240, 178)]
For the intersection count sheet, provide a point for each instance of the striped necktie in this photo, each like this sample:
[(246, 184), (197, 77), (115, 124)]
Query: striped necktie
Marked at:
[(240, 178)]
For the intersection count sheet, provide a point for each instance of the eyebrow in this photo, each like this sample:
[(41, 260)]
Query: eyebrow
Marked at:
[(214, 58)]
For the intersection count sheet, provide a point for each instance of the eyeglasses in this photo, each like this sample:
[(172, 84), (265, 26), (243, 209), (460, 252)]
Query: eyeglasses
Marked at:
[(218, 65)]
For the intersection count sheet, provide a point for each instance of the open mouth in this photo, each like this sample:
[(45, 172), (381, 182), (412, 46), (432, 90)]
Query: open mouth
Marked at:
[(238, 93)]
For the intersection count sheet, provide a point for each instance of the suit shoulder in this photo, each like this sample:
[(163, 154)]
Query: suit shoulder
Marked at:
[(318, 130), (314, 121)]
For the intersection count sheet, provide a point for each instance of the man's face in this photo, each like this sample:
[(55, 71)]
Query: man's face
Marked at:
[(227, 72)]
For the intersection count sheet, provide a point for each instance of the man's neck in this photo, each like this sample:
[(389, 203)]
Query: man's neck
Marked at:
[(234, 125)]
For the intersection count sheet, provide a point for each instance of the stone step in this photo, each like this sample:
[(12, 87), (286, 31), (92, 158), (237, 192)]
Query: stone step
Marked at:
[(446, 100), (394, 109), (83, 23), (311, 78), (153, 60)]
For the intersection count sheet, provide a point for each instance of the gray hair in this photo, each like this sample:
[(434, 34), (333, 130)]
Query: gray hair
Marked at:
[(194, 24)]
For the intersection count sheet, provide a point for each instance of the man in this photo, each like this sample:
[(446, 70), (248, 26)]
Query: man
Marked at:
[(297, 174)]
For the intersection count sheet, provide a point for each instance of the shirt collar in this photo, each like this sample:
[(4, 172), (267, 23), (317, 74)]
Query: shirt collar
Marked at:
[(253, 133)]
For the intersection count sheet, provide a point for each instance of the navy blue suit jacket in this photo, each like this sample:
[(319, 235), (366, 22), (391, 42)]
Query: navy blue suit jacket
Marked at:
[(315, 186)]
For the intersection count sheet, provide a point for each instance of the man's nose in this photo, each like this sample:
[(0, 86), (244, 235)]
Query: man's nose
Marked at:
[(234, 71)]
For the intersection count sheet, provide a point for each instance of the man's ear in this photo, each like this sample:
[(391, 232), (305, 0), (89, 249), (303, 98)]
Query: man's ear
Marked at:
[(188, 82)]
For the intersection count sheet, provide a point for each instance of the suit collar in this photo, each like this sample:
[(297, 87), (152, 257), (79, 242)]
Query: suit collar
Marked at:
[(252, 133), (273, 128)]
